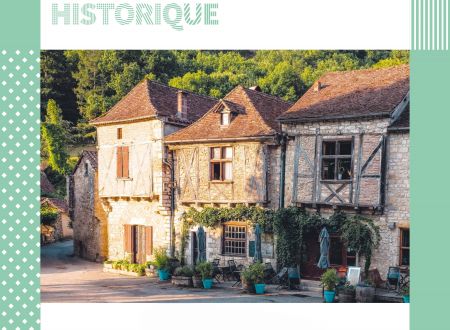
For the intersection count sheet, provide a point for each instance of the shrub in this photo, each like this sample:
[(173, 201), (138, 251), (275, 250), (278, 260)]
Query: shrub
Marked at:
[(161, 259), (205, 269), (48, 215), (254, 274), (185, 271), (329, 279)]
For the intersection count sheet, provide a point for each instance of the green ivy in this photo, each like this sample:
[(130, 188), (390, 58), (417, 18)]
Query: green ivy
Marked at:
[(290, 225), (48, 215)]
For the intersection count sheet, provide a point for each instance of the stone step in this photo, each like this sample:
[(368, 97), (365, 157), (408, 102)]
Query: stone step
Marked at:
[(311, 285)]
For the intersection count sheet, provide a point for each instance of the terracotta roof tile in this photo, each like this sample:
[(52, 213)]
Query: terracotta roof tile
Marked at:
[(254, 115), (150, 99), (358, 93)]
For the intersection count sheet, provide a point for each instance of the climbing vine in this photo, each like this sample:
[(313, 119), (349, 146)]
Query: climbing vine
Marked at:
[(290, 225)]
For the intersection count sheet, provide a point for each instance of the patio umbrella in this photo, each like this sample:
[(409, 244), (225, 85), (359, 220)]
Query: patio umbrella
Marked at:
[(324, 239), (201, 243), (258, 253)]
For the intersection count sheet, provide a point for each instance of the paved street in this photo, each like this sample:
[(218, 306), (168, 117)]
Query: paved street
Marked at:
[(65, 278)]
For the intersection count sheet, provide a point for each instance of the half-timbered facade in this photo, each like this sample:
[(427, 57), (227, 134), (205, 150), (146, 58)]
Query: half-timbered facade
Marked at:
[(133, 167), (229, 157), (342, 153)]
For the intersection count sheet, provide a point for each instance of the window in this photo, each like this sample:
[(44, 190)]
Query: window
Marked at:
[(225, 118), (234, 240), (119, 133), (337, 160), (221, 165), (122, 162), (404, 247), (86, 169)]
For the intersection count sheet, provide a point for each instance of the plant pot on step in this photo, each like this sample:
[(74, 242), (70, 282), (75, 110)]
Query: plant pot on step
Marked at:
[(260, 288), (207, 283), (197, 282), (163, 275), (329, 296), (365, 294)]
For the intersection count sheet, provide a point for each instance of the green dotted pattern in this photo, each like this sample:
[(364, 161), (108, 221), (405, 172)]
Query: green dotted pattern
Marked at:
[(19, 189)]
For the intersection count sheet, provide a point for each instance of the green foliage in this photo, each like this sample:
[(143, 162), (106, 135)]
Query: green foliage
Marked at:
[(361, 235), (205, 270), (161, 261), (185, 271), (329, 279), (48, 215), (127, 266), (54, 136), (254, 274)]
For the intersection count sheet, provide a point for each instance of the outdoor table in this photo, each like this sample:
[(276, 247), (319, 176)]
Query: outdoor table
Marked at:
[(239, 281)]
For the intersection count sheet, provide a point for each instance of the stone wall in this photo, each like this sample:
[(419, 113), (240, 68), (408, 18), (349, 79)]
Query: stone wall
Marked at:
[(89, 218)]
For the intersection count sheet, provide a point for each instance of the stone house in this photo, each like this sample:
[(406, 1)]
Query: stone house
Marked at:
[(60, 228), (348, 148), (134, 169), (89, 219), (228, 157)]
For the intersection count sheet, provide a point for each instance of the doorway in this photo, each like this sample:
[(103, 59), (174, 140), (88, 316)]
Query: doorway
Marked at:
[(194, 247)]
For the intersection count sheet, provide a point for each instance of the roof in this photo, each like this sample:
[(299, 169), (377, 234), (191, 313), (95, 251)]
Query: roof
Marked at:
[(150, 99), (57, 203), (89, 155), (352, 94), (46, 186), (254, 115), (402, 122)]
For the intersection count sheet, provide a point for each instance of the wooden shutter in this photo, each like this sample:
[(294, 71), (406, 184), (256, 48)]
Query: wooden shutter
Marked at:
[(149, 240), (119, 162), (128, 239), (125, 159)]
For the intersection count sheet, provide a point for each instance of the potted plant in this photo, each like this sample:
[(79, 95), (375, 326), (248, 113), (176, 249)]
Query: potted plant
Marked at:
[(365, 292), (196, 278), (182, 276), (162, 264), (253, 278), (206, 270), (347, 293), (329, 279), (405, 293)]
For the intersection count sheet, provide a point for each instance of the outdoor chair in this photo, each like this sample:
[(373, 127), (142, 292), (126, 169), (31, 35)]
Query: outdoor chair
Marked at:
[(269, 272), (217, 273), (393, 278), (236, 274), (293, 278), (229, 271), (281, 278)]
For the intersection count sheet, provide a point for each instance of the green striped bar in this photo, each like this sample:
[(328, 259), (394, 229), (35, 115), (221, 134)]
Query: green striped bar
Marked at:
[(430, 30)]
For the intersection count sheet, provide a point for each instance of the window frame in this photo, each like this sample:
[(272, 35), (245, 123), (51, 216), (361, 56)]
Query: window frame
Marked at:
[(402, 248), (222, 114), (336, 157), (221, 161), (235, 240), (120, 155)]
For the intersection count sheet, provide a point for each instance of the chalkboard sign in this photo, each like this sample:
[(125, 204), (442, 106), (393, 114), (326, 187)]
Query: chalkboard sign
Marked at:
[(251, 248)]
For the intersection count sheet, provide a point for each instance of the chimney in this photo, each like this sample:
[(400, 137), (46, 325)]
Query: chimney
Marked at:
[(182, 107), (255, 88), (317, 86)]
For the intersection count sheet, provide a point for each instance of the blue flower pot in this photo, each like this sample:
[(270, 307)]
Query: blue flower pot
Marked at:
[(260, 288), (163, 275), (207, 283), (329, 296), (406, 299)]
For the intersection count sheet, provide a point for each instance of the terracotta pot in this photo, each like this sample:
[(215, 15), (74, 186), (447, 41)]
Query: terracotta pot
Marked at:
[(365, 294)]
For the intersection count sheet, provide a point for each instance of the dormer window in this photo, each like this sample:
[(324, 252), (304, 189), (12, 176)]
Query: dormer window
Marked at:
[(225, 118)]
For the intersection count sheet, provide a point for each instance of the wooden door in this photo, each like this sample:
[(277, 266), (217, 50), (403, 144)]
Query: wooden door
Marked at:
[(140, 253)]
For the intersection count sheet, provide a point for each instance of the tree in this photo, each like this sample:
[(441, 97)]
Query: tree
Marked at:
[(54, 136)]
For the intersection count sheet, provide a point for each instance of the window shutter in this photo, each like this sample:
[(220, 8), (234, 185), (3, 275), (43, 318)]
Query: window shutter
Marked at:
[(119, 162), (125, 159), (128, 239), (149, 240)]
